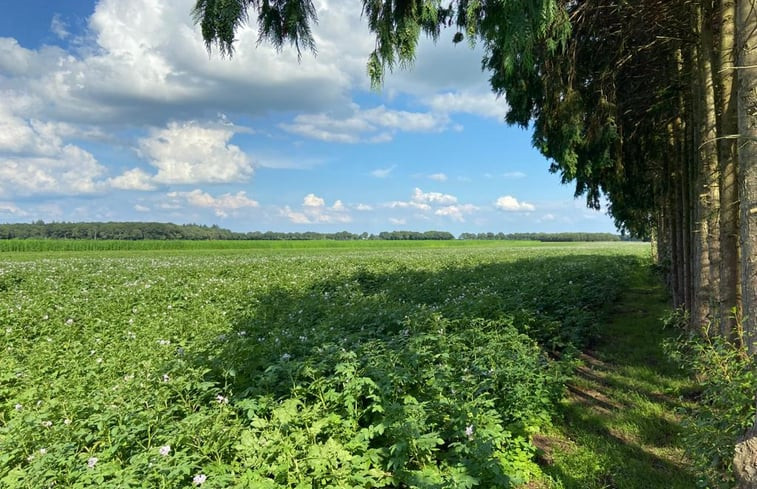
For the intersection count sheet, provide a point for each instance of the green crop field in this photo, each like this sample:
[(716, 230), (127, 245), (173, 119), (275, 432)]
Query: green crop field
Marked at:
[(55, 245), (357, 366)]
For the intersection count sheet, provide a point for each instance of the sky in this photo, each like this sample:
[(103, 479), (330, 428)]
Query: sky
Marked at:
[(113, 110)]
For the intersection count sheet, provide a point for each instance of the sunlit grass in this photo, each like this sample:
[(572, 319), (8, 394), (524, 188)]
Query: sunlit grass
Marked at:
[(618, 426)]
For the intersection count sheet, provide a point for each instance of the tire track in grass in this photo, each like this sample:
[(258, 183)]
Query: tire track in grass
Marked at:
[(617, 427)]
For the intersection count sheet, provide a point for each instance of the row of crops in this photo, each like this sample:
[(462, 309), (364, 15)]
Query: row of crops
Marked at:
[(66, 245), (360, 368)]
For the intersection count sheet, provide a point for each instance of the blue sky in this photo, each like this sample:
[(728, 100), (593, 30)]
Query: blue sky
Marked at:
[(113, 110)]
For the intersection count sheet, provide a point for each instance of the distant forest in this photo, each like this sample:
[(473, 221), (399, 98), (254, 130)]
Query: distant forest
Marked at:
[(169, 231), (546, 237)]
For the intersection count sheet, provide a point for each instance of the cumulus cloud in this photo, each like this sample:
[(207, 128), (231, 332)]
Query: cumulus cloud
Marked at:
[(134, 179), (311, 200), (315, 211), (143, 62), (33, 137), (222, 205), (509, 203), (439, 177), (433, 197), (484, 103), (189, 153), (456, 212), (59, 170), (436, 203), (423, 201), (375, 125), (143, 59)]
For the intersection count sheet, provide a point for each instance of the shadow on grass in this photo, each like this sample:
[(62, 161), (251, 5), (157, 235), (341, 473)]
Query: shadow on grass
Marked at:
[(557, 301), (636, 445)]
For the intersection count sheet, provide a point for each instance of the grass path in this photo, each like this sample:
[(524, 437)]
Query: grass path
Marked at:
[(617, 427)]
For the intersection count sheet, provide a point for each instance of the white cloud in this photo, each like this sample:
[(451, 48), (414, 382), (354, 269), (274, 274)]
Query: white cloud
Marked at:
[(510, 204), (315, 211), (401, 204), (397, 221), (141, 208), (375, 125), (439, 177), (423, 201), (433, 197), (456, 212), (311, 200), (134, 179), (69, 171), (548, 217), (383, 172), (363, 207), (34, 137), (222, 205), (514, 174), (58, 27), (443, 205), (144, 61), (189, 153), (484, 103)]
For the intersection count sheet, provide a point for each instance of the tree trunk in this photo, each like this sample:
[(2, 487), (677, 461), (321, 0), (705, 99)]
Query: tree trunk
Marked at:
[(745, 458), (673, 176), (704, 159), (710, 169), (746, 29), (687, 218), (724, 76)]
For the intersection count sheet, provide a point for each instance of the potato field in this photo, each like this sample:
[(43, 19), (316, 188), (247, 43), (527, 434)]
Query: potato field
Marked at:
[(349, 367)]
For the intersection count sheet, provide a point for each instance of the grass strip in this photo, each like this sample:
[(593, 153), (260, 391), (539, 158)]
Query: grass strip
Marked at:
[(617, 426)]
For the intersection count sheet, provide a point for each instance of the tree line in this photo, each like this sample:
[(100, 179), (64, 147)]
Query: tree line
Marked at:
[(544, 237), (170, 231)]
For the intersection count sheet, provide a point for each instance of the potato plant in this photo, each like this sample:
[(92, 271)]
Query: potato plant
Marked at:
[(414, 367)]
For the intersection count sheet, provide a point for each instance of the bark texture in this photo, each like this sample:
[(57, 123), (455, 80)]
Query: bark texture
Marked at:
[(730, 281), (745, 460), (746, 29)]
